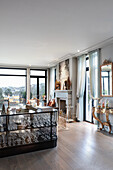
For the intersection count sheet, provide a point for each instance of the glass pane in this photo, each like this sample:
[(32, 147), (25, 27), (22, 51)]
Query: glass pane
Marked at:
[(37, 73), (14, 89), (42, 96), (105, 74), (2, 124), (33, 88), (106, 79), (13, 71), (105, 89)]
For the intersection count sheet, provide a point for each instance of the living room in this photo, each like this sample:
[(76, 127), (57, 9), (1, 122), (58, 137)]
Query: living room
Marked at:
[(56, 84)]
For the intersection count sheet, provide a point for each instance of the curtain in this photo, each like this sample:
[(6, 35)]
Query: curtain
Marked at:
[(80, 86), (94, 72)]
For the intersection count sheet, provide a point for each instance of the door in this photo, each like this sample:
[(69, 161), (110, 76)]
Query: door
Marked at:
[(38, 89)]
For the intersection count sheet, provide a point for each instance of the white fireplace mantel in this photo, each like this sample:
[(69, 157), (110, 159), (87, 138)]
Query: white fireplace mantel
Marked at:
[(63, 91), (64, 95)]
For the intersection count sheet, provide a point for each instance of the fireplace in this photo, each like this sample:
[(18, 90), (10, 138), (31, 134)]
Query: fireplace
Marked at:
[(62, 106), (64, 101)]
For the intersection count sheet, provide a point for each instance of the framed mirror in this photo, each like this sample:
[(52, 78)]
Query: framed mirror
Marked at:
[(106, 80)]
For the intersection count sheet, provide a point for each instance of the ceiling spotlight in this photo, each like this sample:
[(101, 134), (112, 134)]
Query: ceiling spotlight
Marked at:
[(78, 51)]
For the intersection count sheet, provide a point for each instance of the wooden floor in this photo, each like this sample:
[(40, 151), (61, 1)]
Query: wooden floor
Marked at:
[(81, 147)]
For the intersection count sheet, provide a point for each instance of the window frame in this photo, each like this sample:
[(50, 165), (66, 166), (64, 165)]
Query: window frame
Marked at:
[(14, 69), (37, 76), (17, 75)]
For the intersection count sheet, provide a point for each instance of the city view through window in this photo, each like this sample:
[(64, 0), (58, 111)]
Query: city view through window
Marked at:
[(13, 88)]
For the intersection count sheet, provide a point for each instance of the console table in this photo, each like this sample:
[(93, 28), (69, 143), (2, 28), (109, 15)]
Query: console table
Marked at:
[(107, 111)]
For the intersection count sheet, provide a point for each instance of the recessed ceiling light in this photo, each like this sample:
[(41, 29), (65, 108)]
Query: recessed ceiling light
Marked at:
[(78, 51)]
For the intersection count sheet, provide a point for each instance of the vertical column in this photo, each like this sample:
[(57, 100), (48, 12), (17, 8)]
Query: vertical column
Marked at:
[(73, 79), (57, 72), (28, 83), (51, 113), (48, 84), (99, 54)]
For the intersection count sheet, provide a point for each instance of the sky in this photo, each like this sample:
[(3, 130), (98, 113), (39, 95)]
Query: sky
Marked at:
[(14, 81), (18, 81)]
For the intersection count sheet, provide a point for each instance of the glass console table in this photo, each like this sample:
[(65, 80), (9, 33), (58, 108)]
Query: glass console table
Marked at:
[(27, 131)]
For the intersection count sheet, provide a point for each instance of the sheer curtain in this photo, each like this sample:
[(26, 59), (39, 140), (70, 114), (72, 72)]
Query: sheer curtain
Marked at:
[(94, 70), (80, 86)]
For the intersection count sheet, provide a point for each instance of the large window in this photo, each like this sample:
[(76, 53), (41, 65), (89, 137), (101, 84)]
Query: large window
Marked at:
[(12, 87), (38, 85)]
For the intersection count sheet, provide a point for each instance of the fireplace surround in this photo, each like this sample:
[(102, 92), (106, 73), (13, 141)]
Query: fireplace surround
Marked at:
[(64, 95)]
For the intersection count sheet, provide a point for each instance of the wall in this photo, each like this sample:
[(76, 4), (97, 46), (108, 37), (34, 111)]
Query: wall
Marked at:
[(73, 79), (64, 72), (106, 53), (52, 82), (48, 84), (28, 83)]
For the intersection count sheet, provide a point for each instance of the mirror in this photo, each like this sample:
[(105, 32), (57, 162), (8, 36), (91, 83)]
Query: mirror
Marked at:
[(106, 76)]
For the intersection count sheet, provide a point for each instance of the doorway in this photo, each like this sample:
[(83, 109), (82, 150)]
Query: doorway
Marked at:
[(38, 85)]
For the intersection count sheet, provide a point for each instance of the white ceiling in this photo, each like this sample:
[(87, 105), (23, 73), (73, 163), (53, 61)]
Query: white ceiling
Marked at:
[(40, 32)]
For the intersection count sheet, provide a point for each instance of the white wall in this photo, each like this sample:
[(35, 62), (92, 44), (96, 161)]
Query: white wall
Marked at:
[(28, 83), (48, 84), (57, 72), (52, 82), (107, 53), (73, 79)]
